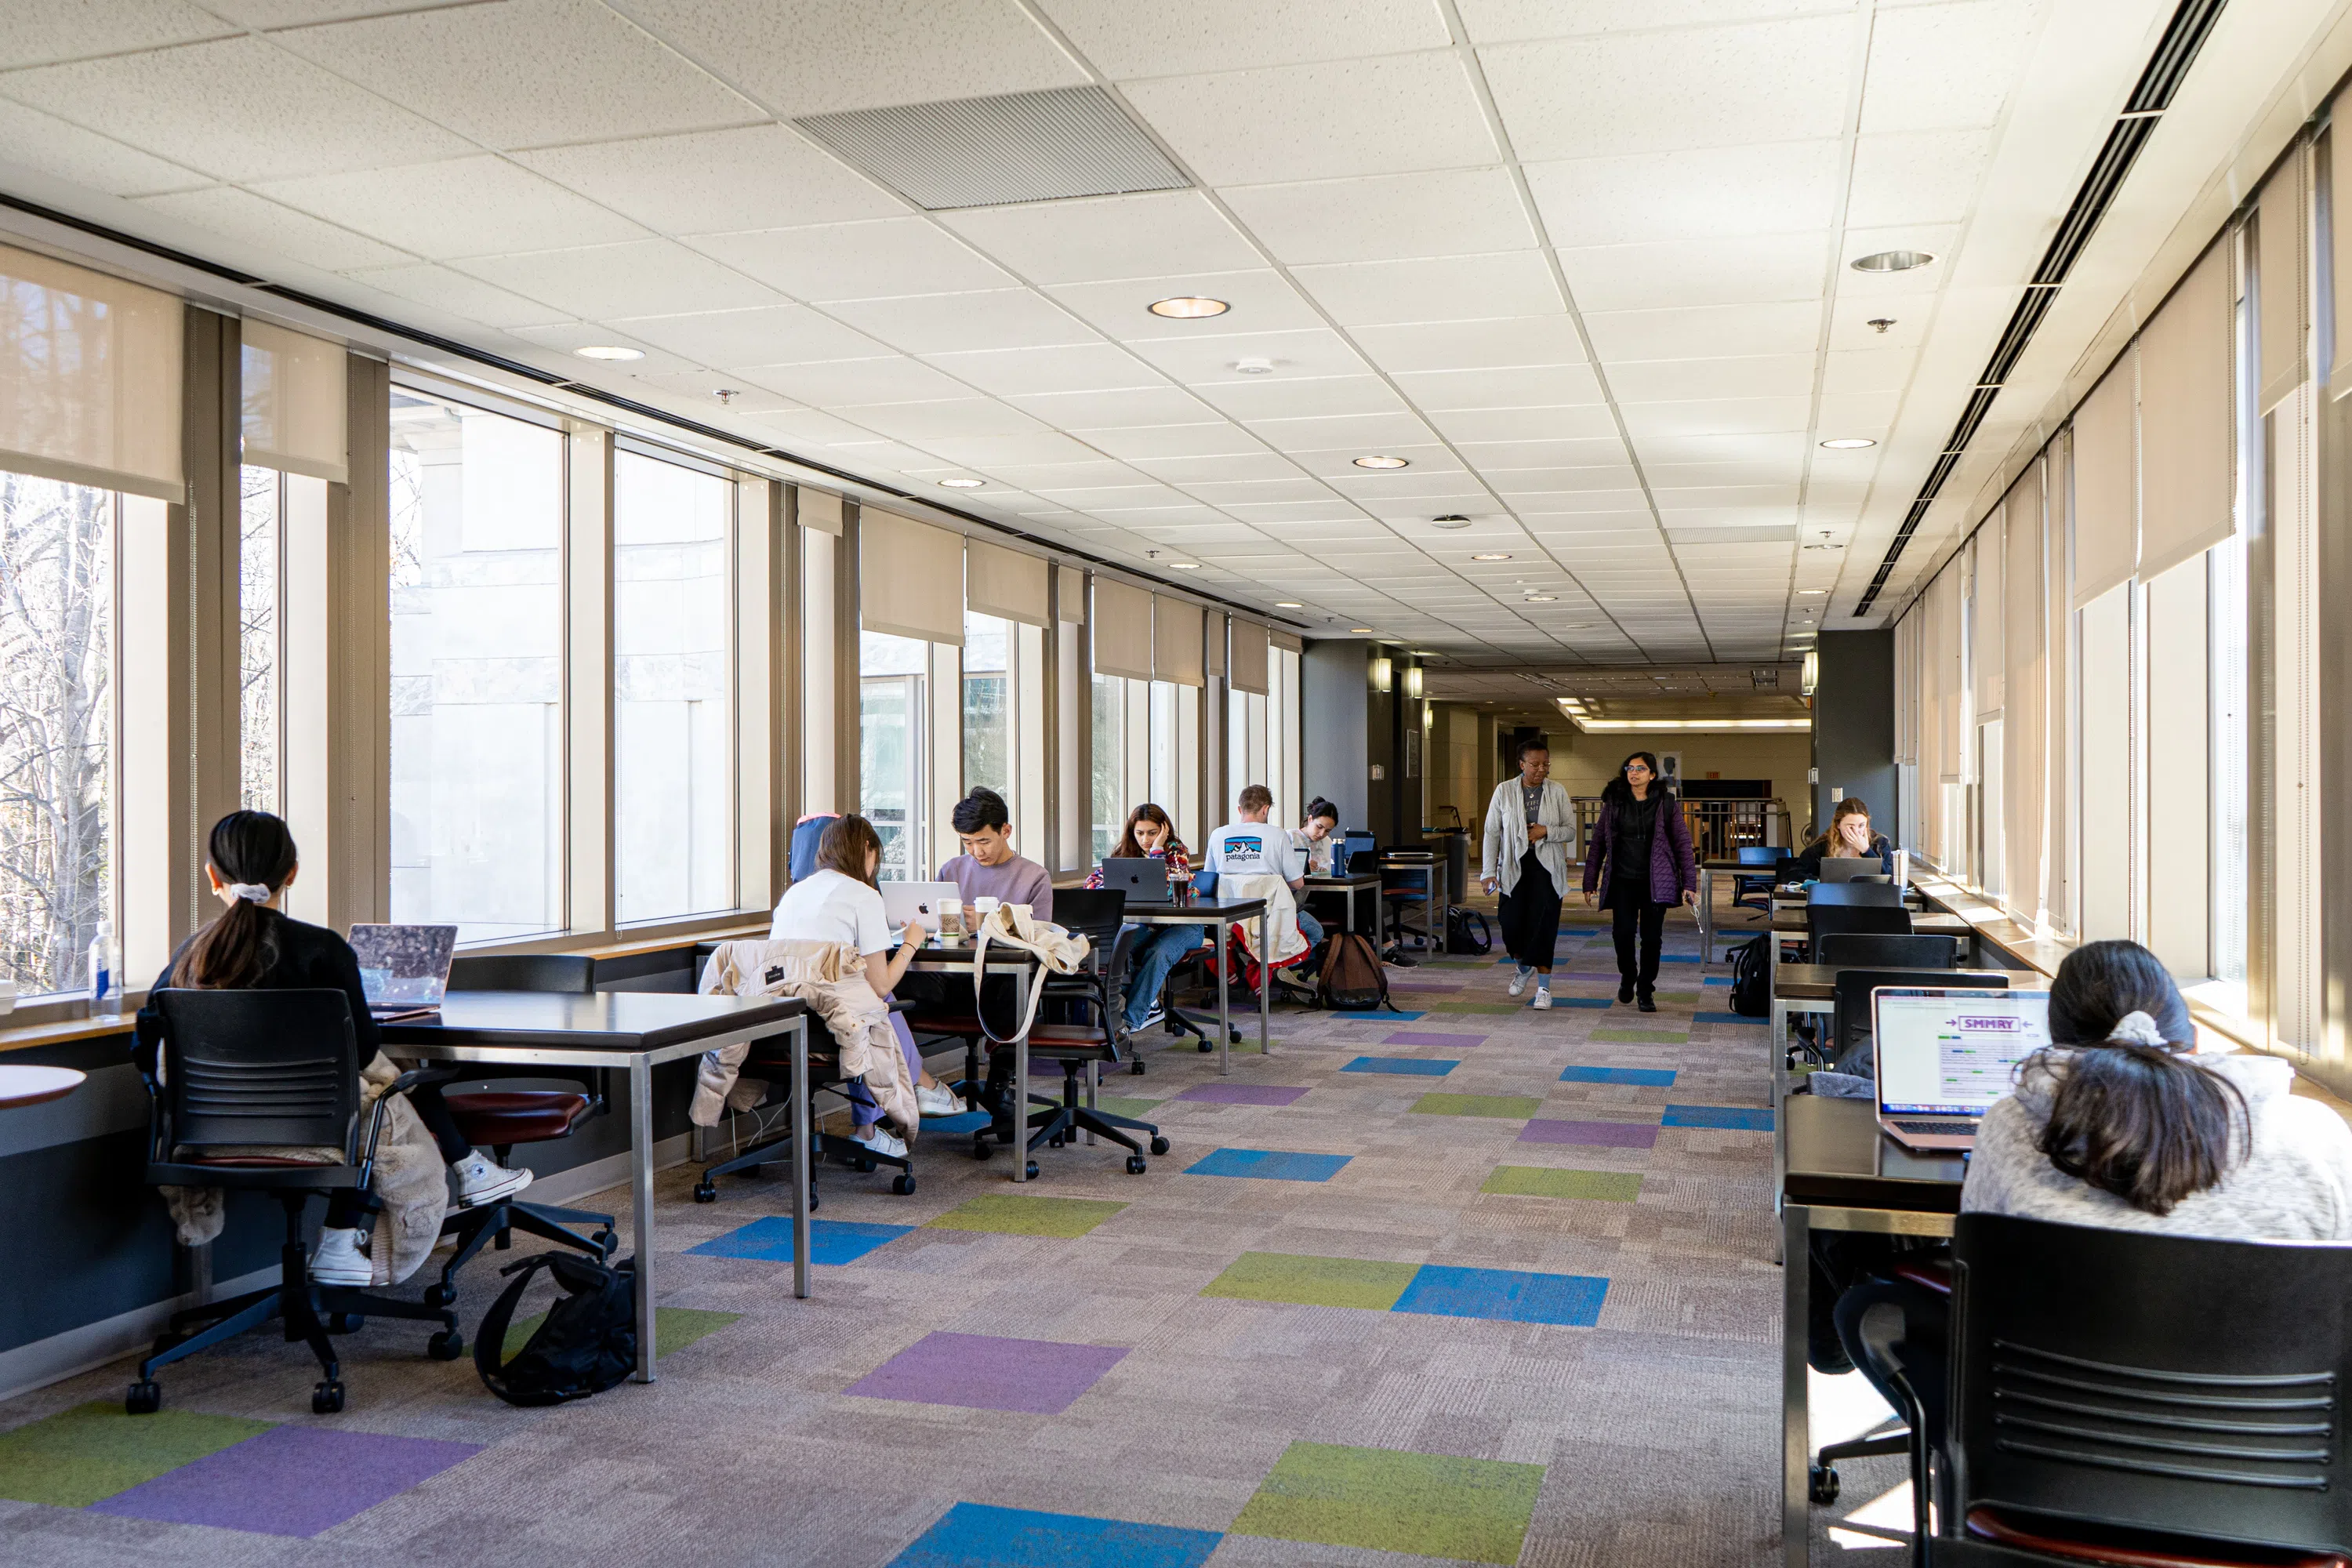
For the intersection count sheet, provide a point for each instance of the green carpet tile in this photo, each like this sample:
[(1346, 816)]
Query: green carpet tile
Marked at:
[(1490, 1008), (1431, 1505), (1536, 1181), (674, 1328), (1502, 1106), (92, 1451), (1123, 1105), (1313, 1282), (1642, 1036), (1010, 1214)]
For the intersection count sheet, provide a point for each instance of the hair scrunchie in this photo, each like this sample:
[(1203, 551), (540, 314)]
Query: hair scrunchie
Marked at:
[(255, 892), (2137, 1029)]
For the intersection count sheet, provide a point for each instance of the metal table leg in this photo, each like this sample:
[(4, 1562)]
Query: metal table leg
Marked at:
[(1780, 1103), (1019, 1077), (1796, 1434), (641, 1195), (1705, 915), (1266, 981), (800, 1141), (1224, 1010)]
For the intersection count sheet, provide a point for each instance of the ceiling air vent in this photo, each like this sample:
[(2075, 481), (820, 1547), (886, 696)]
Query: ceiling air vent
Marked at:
[(998, 151)]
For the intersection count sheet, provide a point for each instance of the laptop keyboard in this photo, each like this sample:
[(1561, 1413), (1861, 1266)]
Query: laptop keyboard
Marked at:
[(1945, 1126)]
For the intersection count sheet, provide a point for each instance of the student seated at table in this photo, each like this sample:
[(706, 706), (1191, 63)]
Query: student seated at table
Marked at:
[(2123, 1123), (988, 868), (253, 946), (1850, 837), (1255, 848), (1314, 852), (1148, 835), (838, 901)]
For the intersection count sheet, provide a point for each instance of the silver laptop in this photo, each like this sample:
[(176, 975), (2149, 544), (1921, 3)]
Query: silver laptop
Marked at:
[(1943, 1056), (404, 969), (921, 902), (1143, 878), (1844, 869)]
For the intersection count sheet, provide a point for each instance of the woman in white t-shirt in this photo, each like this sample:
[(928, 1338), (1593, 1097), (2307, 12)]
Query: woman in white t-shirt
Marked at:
[(839, 902)]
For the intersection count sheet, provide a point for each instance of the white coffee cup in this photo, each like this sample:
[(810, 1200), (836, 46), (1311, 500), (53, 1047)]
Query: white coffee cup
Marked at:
[(984, 906)]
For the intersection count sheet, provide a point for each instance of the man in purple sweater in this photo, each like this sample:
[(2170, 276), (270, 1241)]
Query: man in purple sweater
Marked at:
[(988, 868)]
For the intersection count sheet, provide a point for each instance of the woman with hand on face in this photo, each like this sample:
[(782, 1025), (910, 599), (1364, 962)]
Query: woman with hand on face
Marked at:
[(1530, 823), (1646, 847), (1150, 835), (1850, 837)]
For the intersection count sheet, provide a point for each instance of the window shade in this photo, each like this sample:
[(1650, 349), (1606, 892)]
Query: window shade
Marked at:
[(2185, 420), (1249, 661), (1987, 649), (910, 578), (2023, 697), (90, 378), (819, 511), (1070, 595), (295, 401), (2107, 540), (1289, 642), (1001, 582), (2339, 376), (2278, 250), (1122, 622), (1218, 635), (1951, 687), (1176, 641)]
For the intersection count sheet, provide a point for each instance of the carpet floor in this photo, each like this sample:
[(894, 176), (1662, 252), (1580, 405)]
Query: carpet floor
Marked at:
[(1481, 1284)]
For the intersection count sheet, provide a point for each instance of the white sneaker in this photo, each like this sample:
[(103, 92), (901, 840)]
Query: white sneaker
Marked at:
[(1543, 996), (1519, 982), (339, 1261), (878, 1141), (482, 1180), (937, 1100)]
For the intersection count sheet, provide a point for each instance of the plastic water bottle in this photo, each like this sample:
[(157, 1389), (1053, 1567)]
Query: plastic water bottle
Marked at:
[(105, 974)]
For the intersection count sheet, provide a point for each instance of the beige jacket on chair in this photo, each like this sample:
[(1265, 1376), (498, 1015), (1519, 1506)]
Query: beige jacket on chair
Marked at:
[(829, 977)]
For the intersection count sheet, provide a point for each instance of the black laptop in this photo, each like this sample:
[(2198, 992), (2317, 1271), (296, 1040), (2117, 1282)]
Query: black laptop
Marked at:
[(1144, 880)]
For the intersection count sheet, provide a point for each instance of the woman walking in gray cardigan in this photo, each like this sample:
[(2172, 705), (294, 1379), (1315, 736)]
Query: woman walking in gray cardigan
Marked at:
[(1646, 846), (1530, 823)]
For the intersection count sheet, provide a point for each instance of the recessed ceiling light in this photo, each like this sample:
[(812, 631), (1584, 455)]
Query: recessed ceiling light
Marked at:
[(1255, 367), (1890, 261), (1189, 308), (1451, 520), (608, 351), (1541, 598), (1288, 604), (1493, 555), (1849, 443), (1185, 565), (963, 484), (1813, 590), (1380, 462), (1359, 631)]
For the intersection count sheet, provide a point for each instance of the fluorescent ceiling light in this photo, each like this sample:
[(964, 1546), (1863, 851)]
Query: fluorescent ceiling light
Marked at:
[(963, 484), (1359, 631), (1189, 308), (1657, 726), (1185, 565), (608, 351), (1492, 555), (1377, 461), (1540, 598), (1890, 261), (1288, 604), (1849, 443), (1813, 590)]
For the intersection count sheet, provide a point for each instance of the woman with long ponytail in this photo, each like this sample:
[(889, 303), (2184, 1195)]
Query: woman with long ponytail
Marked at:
[(254, 945)]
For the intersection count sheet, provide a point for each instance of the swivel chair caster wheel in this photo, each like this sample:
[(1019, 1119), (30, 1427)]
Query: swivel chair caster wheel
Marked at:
[(440, 1295), (980, 1147), (1822, 1485), (1030, 1173), (1160, 1145), (904, 1186), (1135, 1067), (326, 1399), (864, 1166), (704, 1192), (1206, 1047), (609, 1244), (344, 1322), (446, 1346), (1055, 1141), (145, 1398), (1135, 1165)]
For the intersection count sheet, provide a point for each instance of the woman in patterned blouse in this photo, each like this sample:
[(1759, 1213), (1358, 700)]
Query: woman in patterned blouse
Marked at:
[(1148, 835)]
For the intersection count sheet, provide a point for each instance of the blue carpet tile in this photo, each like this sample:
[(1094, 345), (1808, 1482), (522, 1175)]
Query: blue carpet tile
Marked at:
[(1505, 1295), (1654, 1077), (1269, 1164), (1723, 1118), (978, 1535), (1415, 1066), (832, 1241)]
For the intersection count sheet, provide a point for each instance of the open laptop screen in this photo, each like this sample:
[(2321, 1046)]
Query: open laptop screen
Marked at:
[(403, 966), (1953, 1052)]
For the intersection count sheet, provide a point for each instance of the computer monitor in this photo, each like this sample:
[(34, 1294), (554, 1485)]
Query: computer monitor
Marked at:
[(1952, 1052), (404, 968)]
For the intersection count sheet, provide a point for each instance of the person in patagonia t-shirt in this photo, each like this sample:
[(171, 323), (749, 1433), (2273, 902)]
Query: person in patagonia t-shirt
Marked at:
[(1253, 846)]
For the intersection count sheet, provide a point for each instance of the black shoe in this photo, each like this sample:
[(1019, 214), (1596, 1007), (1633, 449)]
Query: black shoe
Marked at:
[(1624, 991), (1648, 1003)]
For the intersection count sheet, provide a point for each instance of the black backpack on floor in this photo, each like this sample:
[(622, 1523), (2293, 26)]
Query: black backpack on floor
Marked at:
[(1751, 977), (1352, 980), (587, 1344), (1466, 931)]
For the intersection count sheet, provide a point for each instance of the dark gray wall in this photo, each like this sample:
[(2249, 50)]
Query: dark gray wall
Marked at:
[(1333, 679), (1854, 724)]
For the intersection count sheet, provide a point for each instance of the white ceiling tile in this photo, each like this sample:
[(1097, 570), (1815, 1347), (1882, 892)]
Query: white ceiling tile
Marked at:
[(1683, 498), (922, 422), (1506, 341), (702, 386), (1243, 492), (237, 109), (1555, 503), (1679, 447), (1276, 397), (856, 260), (1527, 387), (1003, 454), (1434, 289), (1132, 407), (563, 337), (1715, 417), (1411, 504), (948, 323), (1582, 422), (1860, 413), (711, 182), (1666, 92), (439, 288), (55, 30), (1187, 472), (1328, 120), (262, 14), (806, 427), (1711, 194), (43, 142), (1567, 454), (1295, 520), (1197, 360), (1141, 235), (1129, 41), (1343, 432), (465, 206), (1665, 476), (1929, 176), (1387, 217), (1081, 367), (1868, 370), (643, 278), (1260, 301), (764, 335), (1680, 274), (814, 56), (838, 384), (272, 230), (1707, 332), (1944, 68), (1666, 380), (1513, 483), (590, 74)]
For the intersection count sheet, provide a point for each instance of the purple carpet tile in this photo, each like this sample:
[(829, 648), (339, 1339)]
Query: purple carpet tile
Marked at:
[(1596, 1134), (290, 1480), (1428, 1038), (983, 1372), (1411, 985), (1241, 1093)]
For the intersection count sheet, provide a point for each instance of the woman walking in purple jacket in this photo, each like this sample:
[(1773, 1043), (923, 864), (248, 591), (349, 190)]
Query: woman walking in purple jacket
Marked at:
[(1645, 845)]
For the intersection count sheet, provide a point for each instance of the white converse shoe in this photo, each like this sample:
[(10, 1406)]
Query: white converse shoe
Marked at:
[(1543, 996), (482, 1180), (1519, 982), (339, 1261), (880, 1143), (937, 1100)]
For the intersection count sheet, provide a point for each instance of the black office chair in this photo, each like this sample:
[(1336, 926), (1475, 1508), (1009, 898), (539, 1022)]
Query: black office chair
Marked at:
[(242, 1084), (2122, 1392), (1839, 918), (569, 973), (1849, 1028), (1080, 1048), (1879, 949), (770, 1061), (1879, 895), (1754, 891)]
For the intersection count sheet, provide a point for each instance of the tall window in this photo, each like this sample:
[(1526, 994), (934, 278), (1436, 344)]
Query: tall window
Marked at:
[(989, 654), (891, 748), (261, 526), (2226, 646), (1108, 789), (477, 669), (57, 727), (674, 796)]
